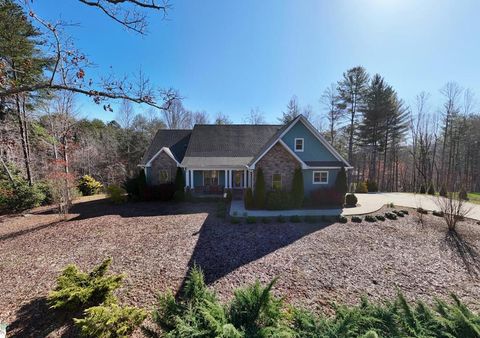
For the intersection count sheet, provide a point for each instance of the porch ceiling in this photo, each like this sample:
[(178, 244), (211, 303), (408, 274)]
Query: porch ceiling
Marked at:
[(216, 162)]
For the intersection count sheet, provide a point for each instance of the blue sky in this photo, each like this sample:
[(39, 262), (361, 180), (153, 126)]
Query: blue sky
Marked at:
[(231, 56)]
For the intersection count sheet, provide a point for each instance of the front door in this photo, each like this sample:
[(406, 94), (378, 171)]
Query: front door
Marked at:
[(238, 179)]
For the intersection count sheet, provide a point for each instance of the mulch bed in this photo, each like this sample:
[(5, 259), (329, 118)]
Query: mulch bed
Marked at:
[(156, 243)]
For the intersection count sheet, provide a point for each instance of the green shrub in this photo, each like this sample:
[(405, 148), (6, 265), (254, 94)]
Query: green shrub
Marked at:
[(295, 219), (380, 217), (438, 213), (77, 290), (234, 220), (372, 186), (256, 312), (404, 211), (135, 186), (443, 191), (265, 220), (297, 188), (370, 218), (423, 190), (179, 180), (422, 211), (110, 321), (391, 216), (361, 188), (248, 199), (342, 219), (278, 200), (116, 194), (351, 200), (20, 197), (228, 195), (251, 219), (45, 188), (398, 213), (88, 185), (260, 190), (462, 194), (280, 219), (356, 219), (391, 205), (431, 189), (179, 196)]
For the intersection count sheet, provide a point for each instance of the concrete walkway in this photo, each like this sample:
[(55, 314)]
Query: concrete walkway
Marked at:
[(367, 203)]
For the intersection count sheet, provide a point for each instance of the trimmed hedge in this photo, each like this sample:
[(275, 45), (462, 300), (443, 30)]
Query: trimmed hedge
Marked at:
[(351, 200)]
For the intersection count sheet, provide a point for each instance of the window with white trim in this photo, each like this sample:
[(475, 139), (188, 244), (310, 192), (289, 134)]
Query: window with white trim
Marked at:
[(164, 176), (320, 177), (299, 142), (277, 181)]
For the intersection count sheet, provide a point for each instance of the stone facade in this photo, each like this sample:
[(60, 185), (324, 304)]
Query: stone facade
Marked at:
[(278, 161), (162, 162)]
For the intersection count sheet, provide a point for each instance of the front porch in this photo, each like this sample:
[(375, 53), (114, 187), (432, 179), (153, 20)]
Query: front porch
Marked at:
[(216, 181)]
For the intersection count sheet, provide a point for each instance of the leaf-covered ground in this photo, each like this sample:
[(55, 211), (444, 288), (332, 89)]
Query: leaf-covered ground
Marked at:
[(155, 244)]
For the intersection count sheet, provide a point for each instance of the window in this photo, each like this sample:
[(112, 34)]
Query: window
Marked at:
[(164, 176), (210, 177), (320, 177), (299, 144), (277, 181)]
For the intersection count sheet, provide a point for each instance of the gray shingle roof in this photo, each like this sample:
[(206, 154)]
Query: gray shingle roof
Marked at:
[(175, 139)]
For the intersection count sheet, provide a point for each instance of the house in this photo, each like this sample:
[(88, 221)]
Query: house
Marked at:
[(219, 157)]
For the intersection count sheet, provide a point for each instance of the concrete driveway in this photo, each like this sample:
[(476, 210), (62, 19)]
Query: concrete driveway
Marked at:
[(369, 203)]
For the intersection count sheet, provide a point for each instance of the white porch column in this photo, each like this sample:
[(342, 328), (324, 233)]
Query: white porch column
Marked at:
[(244, 178), (226, 178), (230, 179), (191, 182), (187, 181)]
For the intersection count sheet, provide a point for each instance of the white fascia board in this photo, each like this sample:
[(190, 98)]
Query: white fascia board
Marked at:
[(167, 151)]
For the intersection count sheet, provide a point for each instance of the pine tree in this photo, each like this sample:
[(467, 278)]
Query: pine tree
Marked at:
[(352, 90)]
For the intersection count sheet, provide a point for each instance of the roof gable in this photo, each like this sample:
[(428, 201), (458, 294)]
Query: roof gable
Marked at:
[(176, 140), (328, 153)]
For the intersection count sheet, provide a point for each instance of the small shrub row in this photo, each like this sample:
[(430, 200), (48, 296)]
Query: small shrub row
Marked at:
[(390, 215), (422, 211), (398, 213), (356, 219), (370, 218), (380, 218)]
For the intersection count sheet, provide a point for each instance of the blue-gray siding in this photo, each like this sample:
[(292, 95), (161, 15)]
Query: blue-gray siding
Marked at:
[(314, 150)]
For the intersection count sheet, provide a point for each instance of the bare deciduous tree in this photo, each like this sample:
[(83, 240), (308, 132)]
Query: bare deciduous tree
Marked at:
[(454, 209), (255, 117), (331, 102)]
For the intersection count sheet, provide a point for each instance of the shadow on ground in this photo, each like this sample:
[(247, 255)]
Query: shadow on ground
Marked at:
[(465, 251), (36, 319), (222, 247), (103, 207)]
